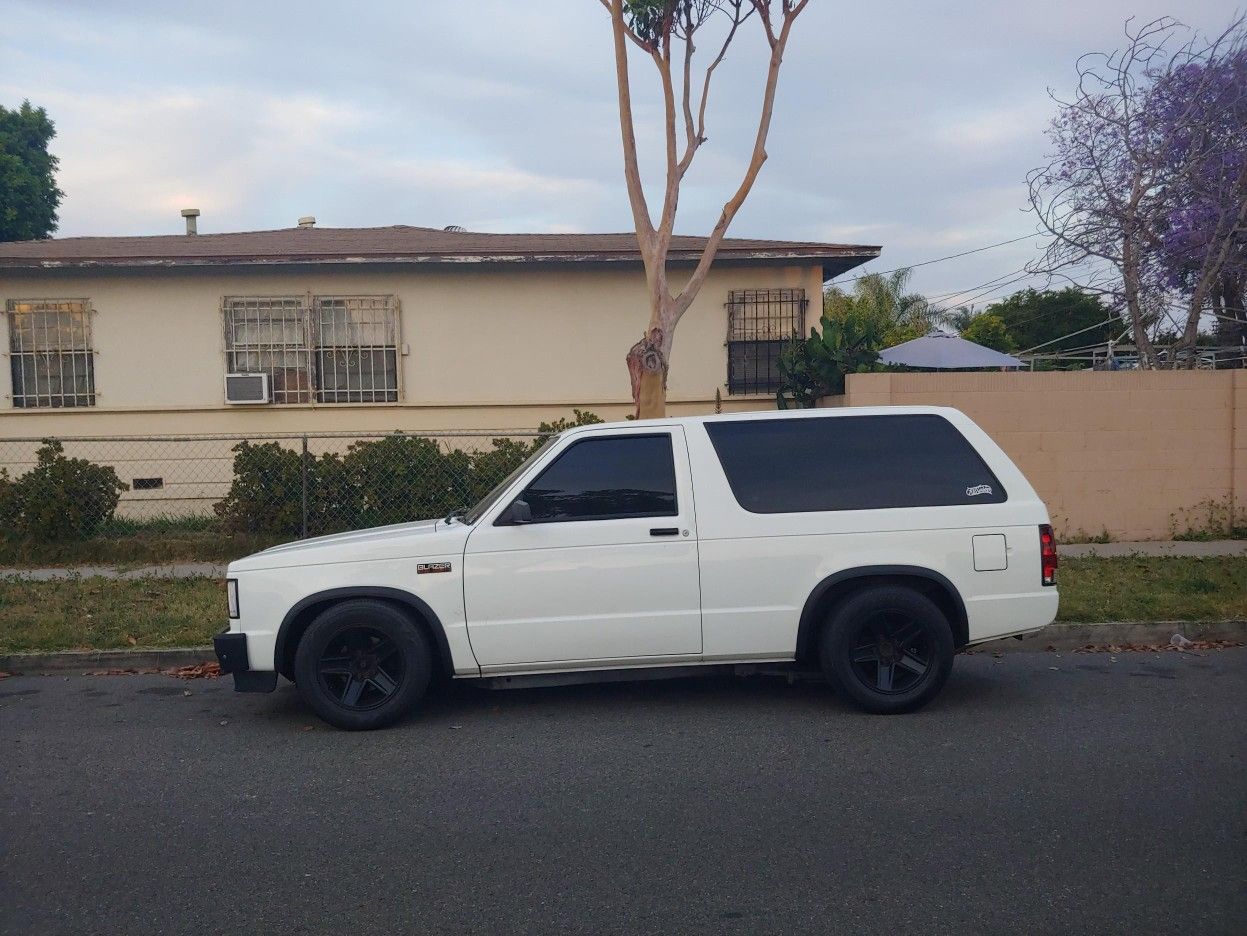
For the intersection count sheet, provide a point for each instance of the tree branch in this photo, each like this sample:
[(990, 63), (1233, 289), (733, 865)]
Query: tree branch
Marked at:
[(632, 171), (758, 157)]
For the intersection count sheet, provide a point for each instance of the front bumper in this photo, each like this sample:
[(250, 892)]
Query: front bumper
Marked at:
[(231, 653)]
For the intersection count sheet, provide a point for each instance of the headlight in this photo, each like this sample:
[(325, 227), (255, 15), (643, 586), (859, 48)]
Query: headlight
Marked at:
[(231, 597)]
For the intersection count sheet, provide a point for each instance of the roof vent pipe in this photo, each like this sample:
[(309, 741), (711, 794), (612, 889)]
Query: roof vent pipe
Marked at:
[(190, 214), (307, 221)]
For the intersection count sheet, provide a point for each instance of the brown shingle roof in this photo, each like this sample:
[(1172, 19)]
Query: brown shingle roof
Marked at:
[(397, 244)]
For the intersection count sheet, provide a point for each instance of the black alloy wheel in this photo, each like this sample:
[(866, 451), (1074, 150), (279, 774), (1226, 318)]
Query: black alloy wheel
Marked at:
[(360, 668), (887, 649), (891, 652), (363, 664)]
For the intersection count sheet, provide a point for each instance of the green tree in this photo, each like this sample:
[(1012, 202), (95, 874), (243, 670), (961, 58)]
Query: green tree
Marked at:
[(988, 330), (28, 193), (960, 317), (882, 299), (1034, 318)]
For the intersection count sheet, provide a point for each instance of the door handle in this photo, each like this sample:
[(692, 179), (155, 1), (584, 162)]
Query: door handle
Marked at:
[(664, 531)]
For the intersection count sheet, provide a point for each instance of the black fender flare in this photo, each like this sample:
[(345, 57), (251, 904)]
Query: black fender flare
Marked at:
[(811, 617), (435, 627)]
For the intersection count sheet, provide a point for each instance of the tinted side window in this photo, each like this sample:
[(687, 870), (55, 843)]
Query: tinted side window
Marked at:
[(607, 479), (851, 463)]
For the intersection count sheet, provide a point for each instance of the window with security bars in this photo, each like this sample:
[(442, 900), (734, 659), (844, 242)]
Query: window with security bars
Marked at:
[(761, 324), (330, 349), (356, 349), (50, 353)]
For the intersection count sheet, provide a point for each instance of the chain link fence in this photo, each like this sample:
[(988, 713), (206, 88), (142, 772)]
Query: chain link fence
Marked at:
[(275, 485)]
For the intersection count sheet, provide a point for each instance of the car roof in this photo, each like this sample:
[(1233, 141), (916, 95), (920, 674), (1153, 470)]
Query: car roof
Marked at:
[(819, 413)]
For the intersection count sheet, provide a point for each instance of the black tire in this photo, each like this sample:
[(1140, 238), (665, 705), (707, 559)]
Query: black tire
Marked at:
[(887, 649), (362, 664)]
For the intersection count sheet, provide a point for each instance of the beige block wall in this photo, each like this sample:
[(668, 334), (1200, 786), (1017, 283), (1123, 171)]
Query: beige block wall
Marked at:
[(489, 347), (1133, 454)]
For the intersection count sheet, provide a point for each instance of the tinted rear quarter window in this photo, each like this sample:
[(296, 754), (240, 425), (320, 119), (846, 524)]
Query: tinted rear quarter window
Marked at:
[(851, 463)]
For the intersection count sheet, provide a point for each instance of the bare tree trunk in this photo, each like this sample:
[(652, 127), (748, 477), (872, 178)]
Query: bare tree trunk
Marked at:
[(1131, 287), (649, 359), (1231, 319), (647, 368)]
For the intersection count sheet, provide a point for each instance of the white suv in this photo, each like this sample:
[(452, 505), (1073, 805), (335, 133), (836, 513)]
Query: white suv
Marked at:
[(872, 543)]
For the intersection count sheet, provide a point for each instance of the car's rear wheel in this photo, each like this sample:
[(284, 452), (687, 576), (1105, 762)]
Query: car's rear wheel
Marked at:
[(362, 664), (887, 649)]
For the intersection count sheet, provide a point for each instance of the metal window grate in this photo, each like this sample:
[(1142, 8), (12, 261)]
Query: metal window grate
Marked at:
[(761, 323), (333, 349), (50, 353), (270, 335), (356, 349)]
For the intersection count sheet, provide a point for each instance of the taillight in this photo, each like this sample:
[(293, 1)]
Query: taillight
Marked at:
[(1048, 560)]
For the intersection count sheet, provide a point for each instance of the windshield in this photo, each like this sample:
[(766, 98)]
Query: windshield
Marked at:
[(500, 488)]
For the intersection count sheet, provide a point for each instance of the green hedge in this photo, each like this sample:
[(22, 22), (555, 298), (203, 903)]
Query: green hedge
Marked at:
[(391, 480), (60, 499)]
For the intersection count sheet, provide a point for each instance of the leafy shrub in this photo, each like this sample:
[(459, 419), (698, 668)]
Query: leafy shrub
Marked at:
[(60, 498), (402, 478), (266, 495), (815, 367), (547, 429), (392, 480)]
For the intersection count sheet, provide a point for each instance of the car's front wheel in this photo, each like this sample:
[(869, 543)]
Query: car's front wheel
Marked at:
[(362, 664), (887, 649)]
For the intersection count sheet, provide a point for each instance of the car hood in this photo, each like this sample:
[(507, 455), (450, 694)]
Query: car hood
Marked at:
[(398, 541)]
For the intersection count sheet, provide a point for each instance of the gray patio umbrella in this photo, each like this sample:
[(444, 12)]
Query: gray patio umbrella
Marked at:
[(943, 351)]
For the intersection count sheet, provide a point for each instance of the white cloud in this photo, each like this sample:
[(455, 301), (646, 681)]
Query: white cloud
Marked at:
[(911, 125)]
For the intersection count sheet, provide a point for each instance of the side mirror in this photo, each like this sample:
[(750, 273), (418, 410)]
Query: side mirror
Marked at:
[(518, 513)]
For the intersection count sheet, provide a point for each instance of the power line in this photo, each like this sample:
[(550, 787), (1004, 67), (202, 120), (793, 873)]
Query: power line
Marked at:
[(1071, 334), (940, 297), (990, 289), (910, 266)]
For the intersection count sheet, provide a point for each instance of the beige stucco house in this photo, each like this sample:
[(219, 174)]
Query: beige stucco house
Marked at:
[(375, 329)]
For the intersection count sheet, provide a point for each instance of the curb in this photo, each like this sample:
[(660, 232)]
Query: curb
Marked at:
[(1057, 636), (1071, 636)]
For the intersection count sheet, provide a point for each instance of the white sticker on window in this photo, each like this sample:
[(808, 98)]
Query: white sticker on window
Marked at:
[(978, 489)]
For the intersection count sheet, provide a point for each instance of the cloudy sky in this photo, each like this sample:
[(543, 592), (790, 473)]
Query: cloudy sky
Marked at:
[(905, 124)]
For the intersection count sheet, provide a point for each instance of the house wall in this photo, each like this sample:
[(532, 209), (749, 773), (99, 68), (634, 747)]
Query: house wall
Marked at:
[(1136, 454), (490, 347)]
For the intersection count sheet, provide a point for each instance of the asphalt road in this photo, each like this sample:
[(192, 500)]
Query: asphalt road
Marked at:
[(1097, 797)]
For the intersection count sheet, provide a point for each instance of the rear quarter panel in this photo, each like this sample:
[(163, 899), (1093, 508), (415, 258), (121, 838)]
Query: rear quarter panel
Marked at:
[(757, 570)]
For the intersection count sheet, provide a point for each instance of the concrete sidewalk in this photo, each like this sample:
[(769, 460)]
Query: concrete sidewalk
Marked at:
[(179, 570), (175, 570), (1156, 548)]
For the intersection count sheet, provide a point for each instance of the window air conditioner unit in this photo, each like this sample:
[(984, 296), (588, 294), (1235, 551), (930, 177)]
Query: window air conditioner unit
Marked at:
[(247, 388)]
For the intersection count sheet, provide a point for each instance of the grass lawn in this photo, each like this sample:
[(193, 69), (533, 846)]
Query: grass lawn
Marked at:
[(101, 613), (129, 543), (1175, 588)]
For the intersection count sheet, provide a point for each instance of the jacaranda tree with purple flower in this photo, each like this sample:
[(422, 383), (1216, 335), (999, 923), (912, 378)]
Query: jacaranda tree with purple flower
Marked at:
[(1202, 249), (1143, 197)]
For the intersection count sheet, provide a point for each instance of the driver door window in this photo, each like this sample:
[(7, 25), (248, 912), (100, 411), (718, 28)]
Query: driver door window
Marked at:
[(607, 479)]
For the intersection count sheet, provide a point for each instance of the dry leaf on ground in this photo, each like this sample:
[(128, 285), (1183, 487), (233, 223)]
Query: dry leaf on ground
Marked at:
[(196, 671), (1160, 648)]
